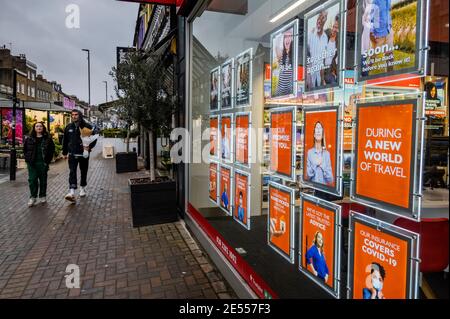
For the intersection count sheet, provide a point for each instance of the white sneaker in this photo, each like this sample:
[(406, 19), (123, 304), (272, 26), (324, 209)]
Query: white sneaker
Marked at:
[(43, 200), (70, 196), (82, 192), (31, 202)]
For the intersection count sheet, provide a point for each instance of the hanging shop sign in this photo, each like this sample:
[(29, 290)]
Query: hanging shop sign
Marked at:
[(213, 190), (68, 104), (226, 137), (322, 168), (214, 83), (280, 221), (227, 84), (320, 242), (323, 43), (214, 136), (282, 142), (387, 169), (383, 260), (391, 38), (225, 195), (241, 208), (242, 138), (243, 78), (283, 57)]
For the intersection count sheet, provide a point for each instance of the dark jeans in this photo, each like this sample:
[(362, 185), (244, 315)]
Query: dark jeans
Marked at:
[(73, 164), (37, 179)]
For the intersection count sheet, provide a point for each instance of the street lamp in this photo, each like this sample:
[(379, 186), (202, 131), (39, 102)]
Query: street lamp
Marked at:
[(89, 74), (106, 87)]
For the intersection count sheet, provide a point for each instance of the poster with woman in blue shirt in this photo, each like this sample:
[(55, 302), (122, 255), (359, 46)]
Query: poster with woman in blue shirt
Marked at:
[(315, 258)]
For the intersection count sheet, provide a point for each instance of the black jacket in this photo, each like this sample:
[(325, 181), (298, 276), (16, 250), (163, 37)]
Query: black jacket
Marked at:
[(30, 147), (72, 143)]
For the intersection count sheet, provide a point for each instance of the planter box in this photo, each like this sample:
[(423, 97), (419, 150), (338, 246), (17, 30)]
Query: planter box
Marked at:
[(126, 162), (152, 202)]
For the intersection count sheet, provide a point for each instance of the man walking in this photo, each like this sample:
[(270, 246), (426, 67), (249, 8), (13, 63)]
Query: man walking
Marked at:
[(73, 150)]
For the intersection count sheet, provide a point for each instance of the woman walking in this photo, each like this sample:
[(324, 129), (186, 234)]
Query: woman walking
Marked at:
[(38, 150)]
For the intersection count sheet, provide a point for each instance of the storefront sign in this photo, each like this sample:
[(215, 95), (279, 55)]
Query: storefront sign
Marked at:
[(214, 83), (242, 138), (227, 84), (284, 46), (383, 261), (280, 221), (322, 148), (6, 117), (225, 195), (214, 136), (319, 247), (213, 166), (384, 166), (68, 103), (255, 282), (388, 38), (226, 137), (322, 45), (244, 78), (241, 208), (282, 142)]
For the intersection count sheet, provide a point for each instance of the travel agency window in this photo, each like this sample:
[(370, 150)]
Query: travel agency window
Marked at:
[(319, 142)]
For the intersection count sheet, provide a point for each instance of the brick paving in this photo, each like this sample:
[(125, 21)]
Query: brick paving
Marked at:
[(115, 259)]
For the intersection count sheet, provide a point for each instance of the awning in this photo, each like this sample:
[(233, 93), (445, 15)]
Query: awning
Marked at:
[(44, 106), (5, 102)]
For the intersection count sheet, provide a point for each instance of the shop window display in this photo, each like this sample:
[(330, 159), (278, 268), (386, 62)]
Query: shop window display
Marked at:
[(320, 66)]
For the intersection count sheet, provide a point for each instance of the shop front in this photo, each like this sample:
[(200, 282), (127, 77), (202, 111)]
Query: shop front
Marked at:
[(318, 144)]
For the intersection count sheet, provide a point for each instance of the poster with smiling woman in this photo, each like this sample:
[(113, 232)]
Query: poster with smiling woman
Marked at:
[(322, 147), (320, 234), (284, 48)]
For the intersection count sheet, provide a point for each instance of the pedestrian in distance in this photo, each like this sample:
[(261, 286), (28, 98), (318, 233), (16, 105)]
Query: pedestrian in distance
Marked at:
[(38, 150), (73, 150)]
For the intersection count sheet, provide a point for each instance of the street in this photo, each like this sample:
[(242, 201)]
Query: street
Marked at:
[(115, 260)]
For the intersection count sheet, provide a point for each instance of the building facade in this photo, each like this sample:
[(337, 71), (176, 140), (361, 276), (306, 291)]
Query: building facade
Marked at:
[(289, 96), (43, 89)]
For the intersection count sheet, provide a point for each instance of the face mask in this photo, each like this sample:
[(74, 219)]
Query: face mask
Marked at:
[(377, 284)]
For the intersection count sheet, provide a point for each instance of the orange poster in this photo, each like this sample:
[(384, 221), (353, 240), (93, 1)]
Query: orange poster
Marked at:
[(320, 147), (242, 135), (226, 136), (241, 200), (280, 219), (281, 148), (318, 238), (213, 181), (383, 152), (213, 132), (380, 264), (225, 188)]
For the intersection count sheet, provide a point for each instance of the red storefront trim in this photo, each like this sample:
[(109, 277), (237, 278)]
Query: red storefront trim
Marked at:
[(259, 286)]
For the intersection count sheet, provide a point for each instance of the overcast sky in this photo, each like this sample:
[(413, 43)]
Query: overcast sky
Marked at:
[(38, 29)]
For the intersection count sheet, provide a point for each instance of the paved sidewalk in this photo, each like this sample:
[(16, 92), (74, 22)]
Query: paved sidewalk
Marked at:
[(115, 260)]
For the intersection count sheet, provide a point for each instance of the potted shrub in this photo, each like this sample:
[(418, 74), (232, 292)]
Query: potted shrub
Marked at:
[(145, 101)]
